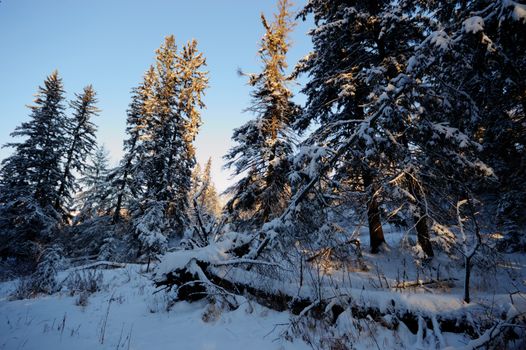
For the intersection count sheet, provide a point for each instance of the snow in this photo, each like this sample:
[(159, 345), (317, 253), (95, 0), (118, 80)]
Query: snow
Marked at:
[(127, 313), (518, 11), (312, 156), (452, 133), (439, 39), (136, 319), (473, 25), (215, 253)]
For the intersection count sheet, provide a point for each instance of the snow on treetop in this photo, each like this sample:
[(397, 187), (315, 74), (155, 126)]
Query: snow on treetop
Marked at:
[(473, 25), (440, 39), (519, 12)]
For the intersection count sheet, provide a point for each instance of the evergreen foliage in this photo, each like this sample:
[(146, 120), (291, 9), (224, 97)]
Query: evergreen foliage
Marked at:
[(264, 144), (30, 177), (80, 144), (151, 186), (126, 179), (94, 199)]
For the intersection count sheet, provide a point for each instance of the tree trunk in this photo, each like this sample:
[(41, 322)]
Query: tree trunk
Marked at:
[(420, 219), (467, 276), (63, 180), (422, 233), (118, 206), (376, 233)]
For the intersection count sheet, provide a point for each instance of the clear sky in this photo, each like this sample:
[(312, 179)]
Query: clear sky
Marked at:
[(110, 43)]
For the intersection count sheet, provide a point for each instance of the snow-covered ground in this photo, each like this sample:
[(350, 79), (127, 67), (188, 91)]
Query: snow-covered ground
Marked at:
[(127, 313)]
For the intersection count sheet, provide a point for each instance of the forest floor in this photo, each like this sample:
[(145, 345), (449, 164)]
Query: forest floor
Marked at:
[(124, 311), (126, 314)]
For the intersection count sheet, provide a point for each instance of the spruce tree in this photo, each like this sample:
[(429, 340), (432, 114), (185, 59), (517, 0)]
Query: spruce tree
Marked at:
[(166, 155), (203, 195), (388, 120), (30, 177), (80, 144), (192, 83), (169, 153), (349, 45), (489, 68), (264, 144), (209, 199), (204, 210), (461, 79), (127, 178), (94, 198)]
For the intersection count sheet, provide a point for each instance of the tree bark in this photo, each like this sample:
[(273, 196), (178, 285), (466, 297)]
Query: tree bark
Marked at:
[(118, 206), (467, 277), (376, 233), (420, 219), (422, 233)]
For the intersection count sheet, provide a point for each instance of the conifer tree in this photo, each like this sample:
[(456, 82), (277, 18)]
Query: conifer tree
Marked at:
[(169, 154), (164, 123), (388, 121), (265, 143), (197, 176), (192, 83), (30, 177), (205, 209), (81, 143), (486, 62), (348, 46), (209, 199), (454, 87), (204, 194), (94, 198), (127, 178)]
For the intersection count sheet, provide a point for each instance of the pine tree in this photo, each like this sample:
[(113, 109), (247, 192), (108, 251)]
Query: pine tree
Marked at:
[(489, 68), (181, 160), (348, 46), (127, 177), (30, 177), (388, 121), (169, 153), (94, 198), (265, 143), (203, 195), (81, 143)]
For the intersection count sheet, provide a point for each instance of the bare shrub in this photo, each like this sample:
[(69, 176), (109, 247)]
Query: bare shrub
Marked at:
[(84, 283), (212, 313), (24, 289)]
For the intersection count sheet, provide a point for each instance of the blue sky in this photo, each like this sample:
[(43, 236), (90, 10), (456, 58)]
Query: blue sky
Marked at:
[(110, 43)]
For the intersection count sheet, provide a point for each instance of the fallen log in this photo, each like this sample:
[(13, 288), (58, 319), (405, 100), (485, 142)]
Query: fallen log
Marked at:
[(198, 279), (109, 264), (403, 285)]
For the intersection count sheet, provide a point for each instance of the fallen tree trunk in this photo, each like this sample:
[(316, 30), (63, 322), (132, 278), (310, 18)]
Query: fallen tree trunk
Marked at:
[(200, 279)]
